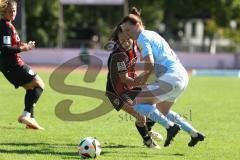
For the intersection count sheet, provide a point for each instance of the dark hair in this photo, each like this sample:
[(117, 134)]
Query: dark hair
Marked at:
[(135, 11), (113, 42), (134, 17), (117, 30)]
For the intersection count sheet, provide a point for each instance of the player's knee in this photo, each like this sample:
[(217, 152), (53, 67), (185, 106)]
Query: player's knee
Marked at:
[(164, 107), (39, 82), (42, 85)]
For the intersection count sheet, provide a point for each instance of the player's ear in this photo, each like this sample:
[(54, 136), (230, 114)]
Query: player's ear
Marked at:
[(138, 25)]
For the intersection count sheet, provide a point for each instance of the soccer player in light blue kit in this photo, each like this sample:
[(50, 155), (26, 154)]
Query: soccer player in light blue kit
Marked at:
[(171, 79)]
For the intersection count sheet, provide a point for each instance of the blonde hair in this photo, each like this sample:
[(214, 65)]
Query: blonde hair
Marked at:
[(4, 4)]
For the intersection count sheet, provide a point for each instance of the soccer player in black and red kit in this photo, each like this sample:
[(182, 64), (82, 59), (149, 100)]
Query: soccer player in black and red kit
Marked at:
[(121, 65), (13, 67)]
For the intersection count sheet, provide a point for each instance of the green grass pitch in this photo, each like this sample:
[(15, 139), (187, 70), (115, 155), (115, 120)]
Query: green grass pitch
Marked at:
[(210, 104)]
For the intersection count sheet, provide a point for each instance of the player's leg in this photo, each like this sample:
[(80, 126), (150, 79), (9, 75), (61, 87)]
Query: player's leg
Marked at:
[(165, 108), (153, 113), (34, 90), (141, 127), (149, 123), (155, 135), (187, 127), (155, 93), (23, 76), (34, 86)]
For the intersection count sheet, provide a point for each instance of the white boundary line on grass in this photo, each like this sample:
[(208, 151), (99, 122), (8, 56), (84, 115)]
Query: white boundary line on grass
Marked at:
[(216, 72)]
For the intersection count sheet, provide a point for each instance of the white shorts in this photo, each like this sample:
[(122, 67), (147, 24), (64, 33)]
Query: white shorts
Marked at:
[(169, 86)]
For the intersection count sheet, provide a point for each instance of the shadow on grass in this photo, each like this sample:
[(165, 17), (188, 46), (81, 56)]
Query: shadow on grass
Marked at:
[(117, 150), (120, 146), (37, 144), (12, 128), (178, 154), (40, 151), (45, 149), (49, 150)]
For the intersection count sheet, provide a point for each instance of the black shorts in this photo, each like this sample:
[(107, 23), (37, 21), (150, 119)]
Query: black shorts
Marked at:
[(127, 98), (19, 75)]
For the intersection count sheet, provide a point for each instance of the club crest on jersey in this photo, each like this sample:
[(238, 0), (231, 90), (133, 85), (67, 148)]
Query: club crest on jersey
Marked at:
[(6, 40), (121, 66)]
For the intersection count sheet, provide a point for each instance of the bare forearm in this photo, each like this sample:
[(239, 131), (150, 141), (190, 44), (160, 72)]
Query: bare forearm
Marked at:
[(142, 78)]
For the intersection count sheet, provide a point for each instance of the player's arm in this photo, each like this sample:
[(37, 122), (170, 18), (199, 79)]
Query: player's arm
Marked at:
[(147, 58), (147, 70), (7, 49), (5, 46), (6, 43), (129, 81), (122, 68), (143, 77)]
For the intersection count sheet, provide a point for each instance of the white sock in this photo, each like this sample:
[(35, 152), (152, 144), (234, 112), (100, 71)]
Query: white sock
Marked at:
[(193, 134), (27, 114)]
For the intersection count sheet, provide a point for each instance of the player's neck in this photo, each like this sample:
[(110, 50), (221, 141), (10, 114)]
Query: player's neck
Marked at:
[(5, 19)]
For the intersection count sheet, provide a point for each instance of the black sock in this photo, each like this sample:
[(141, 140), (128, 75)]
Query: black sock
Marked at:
[(143, 132), (31, 99), (150, 124), (32, 112)]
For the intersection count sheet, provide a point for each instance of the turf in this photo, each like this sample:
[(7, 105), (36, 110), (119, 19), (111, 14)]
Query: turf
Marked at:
[(210, 104)]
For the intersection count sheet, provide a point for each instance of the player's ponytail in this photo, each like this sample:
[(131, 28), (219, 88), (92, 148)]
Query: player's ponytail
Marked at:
[(134, 17), (135, 11), (113, 42)]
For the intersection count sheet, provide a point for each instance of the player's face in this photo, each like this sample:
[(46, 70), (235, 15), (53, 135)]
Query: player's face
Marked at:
[(125, 42), (11, 12), (129, 29)]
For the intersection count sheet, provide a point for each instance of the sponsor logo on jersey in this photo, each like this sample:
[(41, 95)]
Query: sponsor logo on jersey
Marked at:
[(6, 40), (31, 72), (121, 66)]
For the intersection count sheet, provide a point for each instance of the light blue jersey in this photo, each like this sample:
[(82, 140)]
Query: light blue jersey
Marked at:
[(165, 59)]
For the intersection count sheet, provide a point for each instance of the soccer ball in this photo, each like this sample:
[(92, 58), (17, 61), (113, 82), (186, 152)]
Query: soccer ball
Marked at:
[(89, 147)]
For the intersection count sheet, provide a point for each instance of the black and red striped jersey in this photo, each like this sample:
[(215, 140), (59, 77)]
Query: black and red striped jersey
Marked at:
[(9, 46), (120, 62)]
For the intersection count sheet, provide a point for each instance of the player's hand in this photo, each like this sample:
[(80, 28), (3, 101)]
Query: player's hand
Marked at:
[(27, 46), (31, 44), (128, 87)]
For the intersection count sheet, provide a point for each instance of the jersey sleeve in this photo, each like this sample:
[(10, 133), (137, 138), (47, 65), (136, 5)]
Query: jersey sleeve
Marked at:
[(144, 46), (6, 41)]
